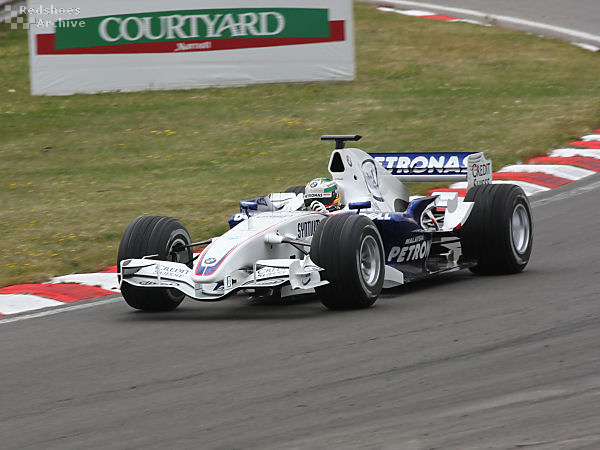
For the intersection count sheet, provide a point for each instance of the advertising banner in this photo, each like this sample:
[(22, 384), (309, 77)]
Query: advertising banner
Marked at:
[(115, 45)]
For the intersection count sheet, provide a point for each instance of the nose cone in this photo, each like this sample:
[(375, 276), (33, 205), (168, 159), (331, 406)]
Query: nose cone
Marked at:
[(213, 258), (209, 262), (237, 248)]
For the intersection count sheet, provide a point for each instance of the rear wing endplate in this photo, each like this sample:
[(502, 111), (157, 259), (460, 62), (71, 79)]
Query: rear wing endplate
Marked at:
[(437, 167)]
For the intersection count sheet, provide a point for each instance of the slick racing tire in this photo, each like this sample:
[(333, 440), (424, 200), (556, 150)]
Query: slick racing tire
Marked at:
[(296, 189), (350, 249), (498, 233), (154, 235)]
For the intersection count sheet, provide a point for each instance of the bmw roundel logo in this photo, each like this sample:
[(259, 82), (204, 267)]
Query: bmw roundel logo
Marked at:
[(210, 261), (313, 184)]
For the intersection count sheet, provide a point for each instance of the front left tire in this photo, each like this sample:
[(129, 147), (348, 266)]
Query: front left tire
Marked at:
[(164, 237)]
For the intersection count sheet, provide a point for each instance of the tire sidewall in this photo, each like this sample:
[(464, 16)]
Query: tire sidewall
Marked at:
[(336, 248), (487, 236), (519, 259), (370, 292), (182, 235)]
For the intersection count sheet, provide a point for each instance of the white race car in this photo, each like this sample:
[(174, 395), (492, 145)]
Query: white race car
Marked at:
[(378, 238)]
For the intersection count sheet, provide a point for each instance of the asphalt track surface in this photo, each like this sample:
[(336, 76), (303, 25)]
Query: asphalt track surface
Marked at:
[(571, 20), (581, 15), (460, 362)]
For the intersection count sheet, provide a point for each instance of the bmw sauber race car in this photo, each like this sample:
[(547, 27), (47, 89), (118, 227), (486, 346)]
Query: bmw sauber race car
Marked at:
[(344, 238)]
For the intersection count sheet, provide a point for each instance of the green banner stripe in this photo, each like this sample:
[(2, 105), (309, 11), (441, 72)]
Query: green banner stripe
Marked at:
[(209, 24)]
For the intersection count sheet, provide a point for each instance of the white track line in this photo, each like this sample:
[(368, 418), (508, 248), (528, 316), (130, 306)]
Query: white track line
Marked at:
[(409, 12), (588, 47), (591, 137), (567, 194), (18, 303), (529, 188), (419, 13), (568, 172), (569, 34), (567, 152), (58, 311), (106, 281)]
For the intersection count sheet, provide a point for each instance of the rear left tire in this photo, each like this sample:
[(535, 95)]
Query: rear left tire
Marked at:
[(296, 189)]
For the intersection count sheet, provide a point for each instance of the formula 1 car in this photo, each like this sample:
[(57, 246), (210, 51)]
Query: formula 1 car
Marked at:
[(378, 239)]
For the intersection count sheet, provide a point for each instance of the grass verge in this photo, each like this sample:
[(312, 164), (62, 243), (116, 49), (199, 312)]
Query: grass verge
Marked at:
[(75, 170)]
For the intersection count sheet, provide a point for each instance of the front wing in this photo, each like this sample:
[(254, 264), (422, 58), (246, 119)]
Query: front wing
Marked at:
[(299, 276)]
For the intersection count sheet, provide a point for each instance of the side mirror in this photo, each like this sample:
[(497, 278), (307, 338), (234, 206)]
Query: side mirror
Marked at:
[(245, 206), (359, 205)]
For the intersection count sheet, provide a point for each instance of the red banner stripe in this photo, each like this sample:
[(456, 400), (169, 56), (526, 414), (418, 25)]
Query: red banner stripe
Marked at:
[(46, 44)]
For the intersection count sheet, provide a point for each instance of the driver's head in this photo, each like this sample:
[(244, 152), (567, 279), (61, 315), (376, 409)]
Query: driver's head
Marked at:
[(322, 190)]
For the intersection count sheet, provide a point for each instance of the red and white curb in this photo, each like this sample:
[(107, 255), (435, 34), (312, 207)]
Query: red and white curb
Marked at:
[(428, 15), (58, 292), (561, 166), (586, 41)]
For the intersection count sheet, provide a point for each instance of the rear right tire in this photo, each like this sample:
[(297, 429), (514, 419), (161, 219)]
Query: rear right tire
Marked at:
[(498, 233)]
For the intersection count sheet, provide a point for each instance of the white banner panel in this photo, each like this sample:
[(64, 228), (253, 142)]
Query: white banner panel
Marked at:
[(113, 45)]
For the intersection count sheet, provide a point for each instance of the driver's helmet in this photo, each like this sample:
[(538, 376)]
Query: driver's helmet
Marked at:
[(322, 190)]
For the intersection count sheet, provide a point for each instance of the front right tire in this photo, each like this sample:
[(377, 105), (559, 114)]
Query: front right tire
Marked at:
[(350, 249)]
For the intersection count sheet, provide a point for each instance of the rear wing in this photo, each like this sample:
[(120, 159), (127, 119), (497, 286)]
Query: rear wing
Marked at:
[(436, 167)]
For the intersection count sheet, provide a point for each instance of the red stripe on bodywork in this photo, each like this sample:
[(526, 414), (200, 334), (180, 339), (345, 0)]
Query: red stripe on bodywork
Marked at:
[(461, 192), (227, 254), (111, 269), (585, 144), (542, 179), (62, 292), (46, 44), (581, 161)]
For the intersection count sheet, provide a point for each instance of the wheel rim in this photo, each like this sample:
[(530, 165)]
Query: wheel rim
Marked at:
[(370, 261), (520, 229), (180, 256)]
